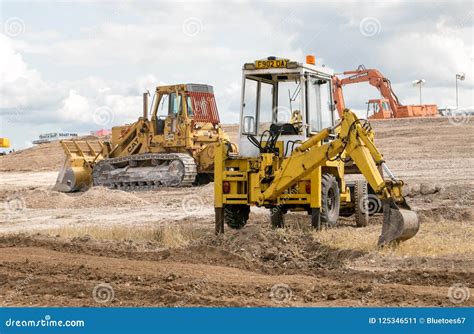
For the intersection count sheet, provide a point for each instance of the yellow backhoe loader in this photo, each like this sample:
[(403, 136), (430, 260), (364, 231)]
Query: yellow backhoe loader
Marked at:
[(175, 147), (4, 143), (295, 153)]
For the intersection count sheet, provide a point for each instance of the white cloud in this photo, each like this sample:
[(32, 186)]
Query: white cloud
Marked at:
[(76, 108), (60, 73), (20, 86), (435, 57), (12, 66)]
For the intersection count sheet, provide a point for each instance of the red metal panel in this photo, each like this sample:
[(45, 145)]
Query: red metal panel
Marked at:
[(205, 108)]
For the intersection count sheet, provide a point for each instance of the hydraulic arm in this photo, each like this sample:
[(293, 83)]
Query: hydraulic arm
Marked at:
[(352, 140)]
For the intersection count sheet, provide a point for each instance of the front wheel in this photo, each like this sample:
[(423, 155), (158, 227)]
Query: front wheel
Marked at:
[(330, 200), (236, 216)]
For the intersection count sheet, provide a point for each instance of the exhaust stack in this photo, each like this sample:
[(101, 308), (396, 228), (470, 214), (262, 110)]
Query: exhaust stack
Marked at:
[(145, 105)]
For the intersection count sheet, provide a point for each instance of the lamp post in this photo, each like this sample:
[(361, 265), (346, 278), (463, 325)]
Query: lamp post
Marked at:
[(459, 76), (419, 82)]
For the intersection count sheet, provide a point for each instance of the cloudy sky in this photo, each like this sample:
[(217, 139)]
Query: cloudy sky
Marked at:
[(81, 66)]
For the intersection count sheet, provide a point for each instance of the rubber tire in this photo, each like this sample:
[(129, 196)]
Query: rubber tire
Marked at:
[(277, 218), (361, 203), (236, 216), (330, 200)]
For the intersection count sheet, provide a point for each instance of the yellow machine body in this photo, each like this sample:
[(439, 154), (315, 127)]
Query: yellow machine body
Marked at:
[(297, 164), (4, 142), (179, 137)]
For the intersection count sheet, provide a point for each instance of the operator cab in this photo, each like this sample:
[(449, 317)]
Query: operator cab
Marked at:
[(283, 103), (378, 109), (188, 101)]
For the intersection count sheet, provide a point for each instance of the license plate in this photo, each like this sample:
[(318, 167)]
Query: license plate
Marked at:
[(277, 63)]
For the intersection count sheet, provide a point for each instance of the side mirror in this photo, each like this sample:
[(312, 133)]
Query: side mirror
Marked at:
[(249, 124)]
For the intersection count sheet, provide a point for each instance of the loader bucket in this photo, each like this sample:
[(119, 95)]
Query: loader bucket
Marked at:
[(71, 179), (76, 173), (400, 223)]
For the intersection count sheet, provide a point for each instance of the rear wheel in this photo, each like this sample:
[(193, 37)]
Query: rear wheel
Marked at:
[(236, 216), (361, 203), (277, 217), (330, 200)]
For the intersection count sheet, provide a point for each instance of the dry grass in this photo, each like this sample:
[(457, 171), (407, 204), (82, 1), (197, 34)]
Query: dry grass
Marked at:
[(167, 236), (433, 239)]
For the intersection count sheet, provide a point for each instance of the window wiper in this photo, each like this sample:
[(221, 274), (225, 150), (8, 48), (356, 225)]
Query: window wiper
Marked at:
[(293, 97)]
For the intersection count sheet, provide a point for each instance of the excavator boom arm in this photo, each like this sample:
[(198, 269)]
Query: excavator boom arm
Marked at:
[(372, 76), (352, 138), (400, 223)]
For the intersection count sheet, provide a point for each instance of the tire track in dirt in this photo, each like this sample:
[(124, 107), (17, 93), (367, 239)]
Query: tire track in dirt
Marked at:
[(142, 279)]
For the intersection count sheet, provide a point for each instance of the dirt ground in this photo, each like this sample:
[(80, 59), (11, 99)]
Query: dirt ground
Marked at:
[(111, 248)]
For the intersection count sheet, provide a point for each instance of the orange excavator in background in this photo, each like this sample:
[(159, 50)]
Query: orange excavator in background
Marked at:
[(387, 107)]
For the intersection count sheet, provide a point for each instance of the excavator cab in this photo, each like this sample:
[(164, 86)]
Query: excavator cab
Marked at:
[(378, 109), (293, 151)]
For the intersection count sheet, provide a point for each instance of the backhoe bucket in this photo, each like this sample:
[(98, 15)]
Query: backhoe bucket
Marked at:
[(76, 173), (71, 179), (399, 224)]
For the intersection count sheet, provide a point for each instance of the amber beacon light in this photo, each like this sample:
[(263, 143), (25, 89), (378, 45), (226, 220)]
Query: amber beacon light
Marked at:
[(310, 59)]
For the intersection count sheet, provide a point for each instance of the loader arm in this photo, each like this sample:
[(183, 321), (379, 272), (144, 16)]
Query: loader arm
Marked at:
[(400, 223), (134, 140), (351, 137)]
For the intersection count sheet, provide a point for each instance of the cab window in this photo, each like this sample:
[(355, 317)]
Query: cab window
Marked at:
[(319, 104), (175, 104), (163, 107), (190, 106), (249, 106), (289, 100), (265, 108)]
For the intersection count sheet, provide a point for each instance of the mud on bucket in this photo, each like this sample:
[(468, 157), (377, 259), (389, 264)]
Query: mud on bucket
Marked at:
[(398, 224), (71, 179)]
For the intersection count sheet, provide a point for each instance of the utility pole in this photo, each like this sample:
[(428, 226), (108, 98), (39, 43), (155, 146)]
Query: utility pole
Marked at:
[(419, 82), (459, 76)]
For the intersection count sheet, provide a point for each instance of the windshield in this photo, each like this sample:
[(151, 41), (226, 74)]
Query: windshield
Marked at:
[(169, 104), (289, 93), (268, 102)]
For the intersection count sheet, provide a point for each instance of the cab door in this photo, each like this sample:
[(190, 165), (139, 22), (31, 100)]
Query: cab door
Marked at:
[(169, 111), (320, 110)]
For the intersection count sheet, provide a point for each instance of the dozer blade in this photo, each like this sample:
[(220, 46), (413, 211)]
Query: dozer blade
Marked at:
[(71, 179), (76, 173), (399, 224)]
